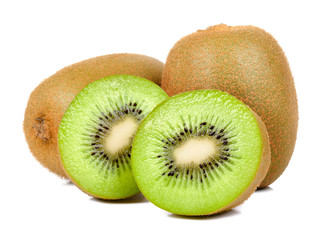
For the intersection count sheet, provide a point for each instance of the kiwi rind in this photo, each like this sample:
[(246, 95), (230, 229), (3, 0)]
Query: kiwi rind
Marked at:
[(143, 160), (99, 105), (247, 62), (50, 99)]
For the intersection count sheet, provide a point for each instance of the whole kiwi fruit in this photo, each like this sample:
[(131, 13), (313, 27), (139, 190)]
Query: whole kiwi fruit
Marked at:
[(248, 63), (50, 99)]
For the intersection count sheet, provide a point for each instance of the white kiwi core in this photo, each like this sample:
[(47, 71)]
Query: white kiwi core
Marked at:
[(120, 136), (195, 151)]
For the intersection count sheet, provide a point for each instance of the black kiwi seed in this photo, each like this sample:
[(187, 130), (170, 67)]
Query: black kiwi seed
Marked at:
[(203, 123)]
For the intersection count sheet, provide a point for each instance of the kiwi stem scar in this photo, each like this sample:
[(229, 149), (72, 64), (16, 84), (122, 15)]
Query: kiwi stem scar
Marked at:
[(40, 128)]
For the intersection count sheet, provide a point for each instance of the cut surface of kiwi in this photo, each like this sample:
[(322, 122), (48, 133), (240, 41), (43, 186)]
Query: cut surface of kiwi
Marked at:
[(199, 153), (96, 132)]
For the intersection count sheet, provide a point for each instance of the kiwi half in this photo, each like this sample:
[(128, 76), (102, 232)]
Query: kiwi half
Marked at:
[(96, 131), (200, 152), (50, 99)]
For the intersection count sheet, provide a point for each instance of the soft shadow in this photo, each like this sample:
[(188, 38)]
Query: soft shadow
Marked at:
[(226, 214), (266, 189), (68, 183), (139, 198)]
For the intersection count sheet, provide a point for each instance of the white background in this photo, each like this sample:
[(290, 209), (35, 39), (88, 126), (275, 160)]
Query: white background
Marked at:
[(38, 38)]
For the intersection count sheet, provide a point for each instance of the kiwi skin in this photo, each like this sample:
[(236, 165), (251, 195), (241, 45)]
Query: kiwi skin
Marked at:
[(50, 99), (248, 63)]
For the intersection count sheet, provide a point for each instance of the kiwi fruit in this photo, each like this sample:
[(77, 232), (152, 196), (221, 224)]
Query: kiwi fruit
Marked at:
[(49, 101), (96, 132), (199, 153), (248, 63)]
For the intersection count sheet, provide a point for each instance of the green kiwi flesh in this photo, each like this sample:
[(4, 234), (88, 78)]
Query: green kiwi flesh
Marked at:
[(200, 152), (96, 133)]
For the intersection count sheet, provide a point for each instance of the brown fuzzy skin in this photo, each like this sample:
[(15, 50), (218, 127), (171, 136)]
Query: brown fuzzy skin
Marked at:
[(248, 63), (50, 99)]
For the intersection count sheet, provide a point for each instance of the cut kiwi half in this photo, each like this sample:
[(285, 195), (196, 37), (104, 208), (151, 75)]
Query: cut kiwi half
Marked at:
[(199, 153), (96, 132)]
